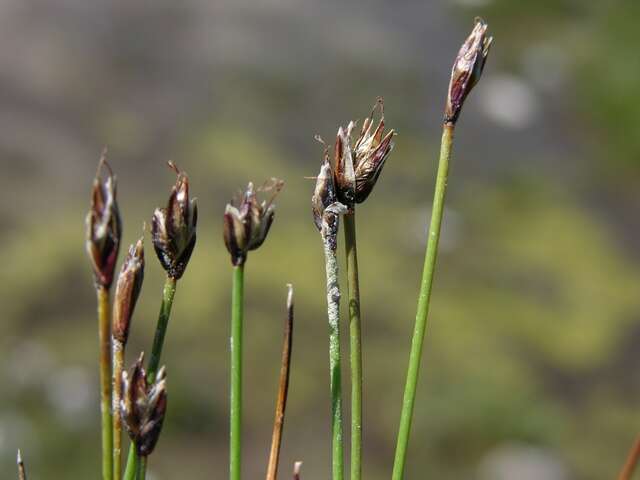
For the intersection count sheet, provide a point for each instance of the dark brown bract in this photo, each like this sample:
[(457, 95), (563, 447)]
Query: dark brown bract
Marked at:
[(247, 221), (467, 69), (173, 229), (143, 406), (370, 153), (104, 228), (127, 291)]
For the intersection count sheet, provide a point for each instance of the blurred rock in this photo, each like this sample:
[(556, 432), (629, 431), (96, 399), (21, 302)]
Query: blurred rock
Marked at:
[(509, 101)]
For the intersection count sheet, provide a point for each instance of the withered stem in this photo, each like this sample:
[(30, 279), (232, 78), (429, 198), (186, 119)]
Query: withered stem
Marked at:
[(22, 474), (632, 461), (283, 390)]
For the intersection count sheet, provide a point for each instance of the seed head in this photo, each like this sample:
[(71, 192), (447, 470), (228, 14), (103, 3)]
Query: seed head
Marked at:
[(127, 291), (357, 167), (173, 229), (143, 406), (370, 152), (467, 69), (104, 228), (247, 221)]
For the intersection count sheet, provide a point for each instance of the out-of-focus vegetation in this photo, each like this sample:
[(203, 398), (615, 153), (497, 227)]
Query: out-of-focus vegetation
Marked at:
[(533, 338)]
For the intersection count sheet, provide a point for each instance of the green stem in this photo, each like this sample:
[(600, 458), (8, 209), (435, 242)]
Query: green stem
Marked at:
[(161, 329), (131, 471), (104, 328), (423, 304), (118, 367), (329, 238), (142, 468), (235, 436), (355, 344), (132, 463), (158, 341)]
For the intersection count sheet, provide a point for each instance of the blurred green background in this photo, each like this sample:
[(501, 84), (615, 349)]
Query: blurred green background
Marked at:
[(533, 348)]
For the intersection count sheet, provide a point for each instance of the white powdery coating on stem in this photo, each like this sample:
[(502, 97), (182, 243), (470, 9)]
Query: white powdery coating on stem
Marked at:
[(329, 234), (329, 239)]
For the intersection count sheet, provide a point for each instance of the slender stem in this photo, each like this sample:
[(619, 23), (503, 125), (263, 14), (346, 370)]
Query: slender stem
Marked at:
[(235, 436), (283, 390), (329, 234), (104, 328), (132, 464), (632, 461), (355, 344), (142, 468), (161, 329), (158, 341), (423, 304), (118, 367)]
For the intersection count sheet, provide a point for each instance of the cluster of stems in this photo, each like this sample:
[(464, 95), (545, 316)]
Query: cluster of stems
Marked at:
[(138, 401), (173, 235), (350, 180)]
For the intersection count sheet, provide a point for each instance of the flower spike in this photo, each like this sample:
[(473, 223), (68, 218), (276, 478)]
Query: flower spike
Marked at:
[(173, 229)]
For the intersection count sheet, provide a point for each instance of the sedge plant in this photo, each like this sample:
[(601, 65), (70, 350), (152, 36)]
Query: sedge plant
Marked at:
[(326, 215), (173, 234), (127, 291), (104, 231), (356, 171), (246, 224), (465, 73)]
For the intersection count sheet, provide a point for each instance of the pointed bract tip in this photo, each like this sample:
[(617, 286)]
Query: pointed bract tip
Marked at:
[(297, 467), (21, 470), (289, 296)]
